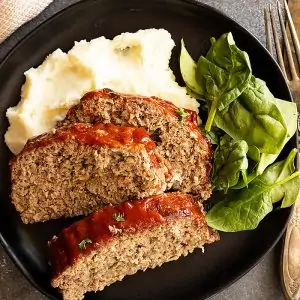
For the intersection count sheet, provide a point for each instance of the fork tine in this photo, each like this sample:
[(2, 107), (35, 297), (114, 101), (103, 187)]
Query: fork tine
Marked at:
[(287, 44), (277, 43), (293, 31), (268, 32)]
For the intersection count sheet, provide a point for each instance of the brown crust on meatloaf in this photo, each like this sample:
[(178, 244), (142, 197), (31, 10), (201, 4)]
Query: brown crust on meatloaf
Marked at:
[(140, 231), (65, 173), (180, 142)]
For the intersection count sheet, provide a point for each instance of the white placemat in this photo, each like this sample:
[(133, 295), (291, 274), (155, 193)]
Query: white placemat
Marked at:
[(14, 13)]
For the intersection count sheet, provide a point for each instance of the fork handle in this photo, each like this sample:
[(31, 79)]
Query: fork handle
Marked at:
[(290, 262), (291, 256)]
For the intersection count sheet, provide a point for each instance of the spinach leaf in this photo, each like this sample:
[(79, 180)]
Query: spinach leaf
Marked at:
[(223, 74), (244, 209), (254, 153), (253, 156), (230, 163), (255, 118), (245, 181), (289, 113), (243, 213), (188, 71), (214, 135), (287, 192), (249, 174), (194, 95), (291, 192)]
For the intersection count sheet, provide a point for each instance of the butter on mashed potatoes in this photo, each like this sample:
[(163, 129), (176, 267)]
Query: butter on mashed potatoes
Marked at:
[(133, 63)]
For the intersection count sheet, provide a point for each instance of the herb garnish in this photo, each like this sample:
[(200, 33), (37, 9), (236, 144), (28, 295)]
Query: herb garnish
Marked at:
[(82, 245), (119, 217), (182, 115)]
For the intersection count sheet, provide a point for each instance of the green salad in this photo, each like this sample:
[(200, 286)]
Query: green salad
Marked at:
[(249, 128)]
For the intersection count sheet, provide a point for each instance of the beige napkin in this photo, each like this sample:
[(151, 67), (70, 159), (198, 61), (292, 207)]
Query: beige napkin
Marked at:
[(14, 13)]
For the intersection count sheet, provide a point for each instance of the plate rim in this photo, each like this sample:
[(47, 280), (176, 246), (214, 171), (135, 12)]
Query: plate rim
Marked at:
[(217, 290)]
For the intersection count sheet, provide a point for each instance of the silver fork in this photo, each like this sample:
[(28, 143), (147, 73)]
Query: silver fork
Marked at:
[(290, 260)]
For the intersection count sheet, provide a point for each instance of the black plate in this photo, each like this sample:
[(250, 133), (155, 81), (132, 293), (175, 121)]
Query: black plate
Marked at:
[(198, 275)]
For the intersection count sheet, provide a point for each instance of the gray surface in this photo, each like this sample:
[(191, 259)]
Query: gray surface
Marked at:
[(262, 282)]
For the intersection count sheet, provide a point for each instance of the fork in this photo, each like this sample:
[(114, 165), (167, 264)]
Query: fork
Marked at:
[(290, 259)]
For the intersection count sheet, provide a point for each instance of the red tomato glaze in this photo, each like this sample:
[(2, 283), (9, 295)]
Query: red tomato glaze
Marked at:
[(98, 134)]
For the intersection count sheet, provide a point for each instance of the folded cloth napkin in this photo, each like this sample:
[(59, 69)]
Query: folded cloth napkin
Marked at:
[(14, 13)]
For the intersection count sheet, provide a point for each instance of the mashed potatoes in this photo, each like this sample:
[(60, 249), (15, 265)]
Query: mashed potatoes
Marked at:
[(134, 63)]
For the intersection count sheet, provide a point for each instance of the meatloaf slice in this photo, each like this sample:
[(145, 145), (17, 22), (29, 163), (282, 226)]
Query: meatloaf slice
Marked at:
[(76, 169), (175, 131), (120, 240)]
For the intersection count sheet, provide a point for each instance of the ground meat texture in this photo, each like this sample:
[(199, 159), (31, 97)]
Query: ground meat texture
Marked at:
[(62, 174), (178, 140), (150, 232)]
